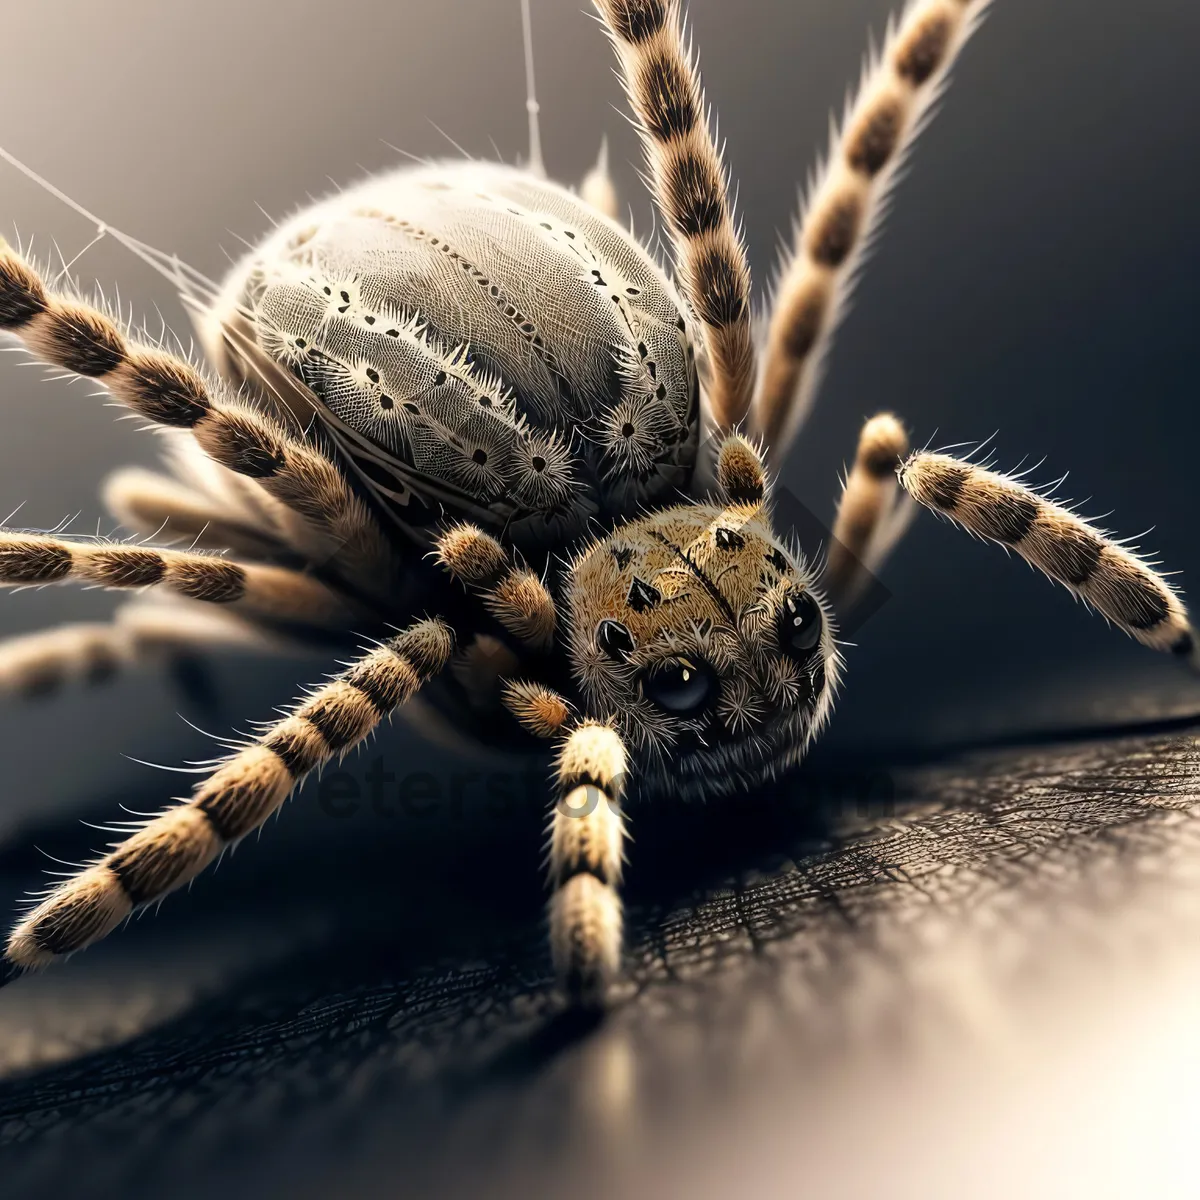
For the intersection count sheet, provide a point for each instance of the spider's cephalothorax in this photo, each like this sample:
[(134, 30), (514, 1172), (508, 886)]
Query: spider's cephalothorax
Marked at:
[(464, 401), (705, 642)]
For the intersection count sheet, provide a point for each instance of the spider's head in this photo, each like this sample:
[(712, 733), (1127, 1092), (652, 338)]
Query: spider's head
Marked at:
[(704, 638)]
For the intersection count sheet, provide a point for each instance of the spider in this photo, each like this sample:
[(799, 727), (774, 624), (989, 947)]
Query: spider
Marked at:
[(457, 409)]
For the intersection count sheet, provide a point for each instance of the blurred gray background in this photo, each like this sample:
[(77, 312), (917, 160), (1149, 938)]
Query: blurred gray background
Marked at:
[(1037, 280)]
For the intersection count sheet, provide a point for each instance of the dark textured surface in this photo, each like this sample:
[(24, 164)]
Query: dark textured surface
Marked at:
[(399, 1030)]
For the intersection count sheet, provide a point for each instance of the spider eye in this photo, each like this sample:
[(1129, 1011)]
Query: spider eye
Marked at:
[(614, 639), (800, 624), (680, 687)]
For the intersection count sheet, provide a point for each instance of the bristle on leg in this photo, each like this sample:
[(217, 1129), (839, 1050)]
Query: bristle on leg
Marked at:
[(514, 595), (170, 392), (255, 588)]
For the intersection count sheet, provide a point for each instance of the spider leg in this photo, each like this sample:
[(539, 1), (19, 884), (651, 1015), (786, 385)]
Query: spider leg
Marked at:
[(514, 595), (846, 202), (741, 475), (168, 391), (587, 835), (872, 515), (598, 189), (256, 588), (691, 190), (87, 652), (236, 799), (587, 838), (1100, 571), (38, 663), (166, 509), (539, 708), (242, 498)]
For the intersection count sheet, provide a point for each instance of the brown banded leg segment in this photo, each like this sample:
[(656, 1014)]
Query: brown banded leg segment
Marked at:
[(691, 190), (37, 664), (587, 834), (174, 847), (537, 708), (164, 508), (741, 475), (514, 595), (168, 391), (162, 626), (93, 653), (868, 501), (1116, 583), (845, 204), (253, 588)]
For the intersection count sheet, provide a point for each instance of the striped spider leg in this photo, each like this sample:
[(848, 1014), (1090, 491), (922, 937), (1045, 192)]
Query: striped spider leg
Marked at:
[(250, 604), (1105, 575), (330, 522), (845, 204), (872, 514), (94, 652), (691, 190), (172, 848), (586, 840)]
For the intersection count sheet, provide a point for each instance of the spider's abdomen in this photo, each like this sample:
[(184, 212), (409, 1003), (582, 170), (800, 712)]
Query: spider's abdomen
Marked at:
[(479, 343)]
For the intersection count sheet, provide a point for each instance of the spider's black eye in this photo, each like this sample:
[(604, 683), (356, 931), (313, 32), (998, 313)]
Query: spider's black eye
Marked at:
[(799, 624), (614, 639), (680, 687)]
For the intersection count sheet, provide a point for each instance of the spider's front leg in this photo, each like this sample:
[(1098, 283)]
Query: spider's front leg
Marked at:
[(175, 846), (586, 836), (1094, 566)]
